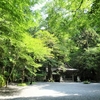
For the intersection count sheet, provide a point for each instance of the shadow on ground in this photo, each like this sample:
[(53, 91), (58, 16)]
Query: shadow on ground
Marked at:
[(57, 91), (10, 91)]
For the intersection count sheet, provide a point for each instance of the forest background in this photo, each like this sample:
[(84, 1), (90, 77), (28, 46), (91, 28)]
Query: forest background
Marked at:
[(36, 34)]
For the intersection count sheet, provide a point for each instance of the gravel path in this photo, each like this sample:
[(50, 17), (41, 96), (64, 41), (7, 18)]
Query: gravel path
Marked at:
[(54, 91)]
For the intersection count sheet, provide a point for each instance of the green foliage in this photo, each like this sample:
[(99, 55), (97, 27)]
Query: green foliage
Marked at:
[(2, 81), (71, 35), (94, 15), (36, 47), (49, 39), (86, 82), (22, 84), (19, 51)]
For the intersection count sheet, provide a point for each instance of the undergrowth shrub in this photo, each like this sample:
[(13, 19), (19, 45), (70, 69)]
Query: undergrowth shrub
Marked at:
[(2, 81)]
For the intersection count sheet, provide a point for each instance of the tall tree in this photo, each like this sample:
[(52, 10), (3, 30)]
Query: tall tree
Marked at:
[(18, 49)]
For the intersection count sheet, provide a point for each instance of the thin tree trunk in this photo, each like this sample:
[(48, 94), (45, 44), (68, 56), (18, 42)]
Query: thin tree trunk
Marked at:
[(23, 75), (49, 74), (7, 80)]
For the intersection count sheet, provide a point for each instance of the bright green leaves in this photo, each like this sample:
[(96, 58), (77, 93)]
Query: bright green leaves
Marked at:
[(2, 81), (49, 39), (36, 47), (17, 48), (16, 17), (59, 49), (74, 34), (94, 15), (25, 54)]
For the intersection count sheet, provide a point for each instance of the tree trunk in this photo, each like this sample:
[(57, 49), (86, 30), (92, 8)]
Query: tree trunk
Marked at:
[(23, 75), (6, 83), (49, 74)]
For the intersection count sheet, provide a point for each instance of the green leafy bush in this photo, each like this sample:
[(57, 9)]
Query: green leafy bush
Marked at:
[(86, 82), (2, 81), (22, 84)]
